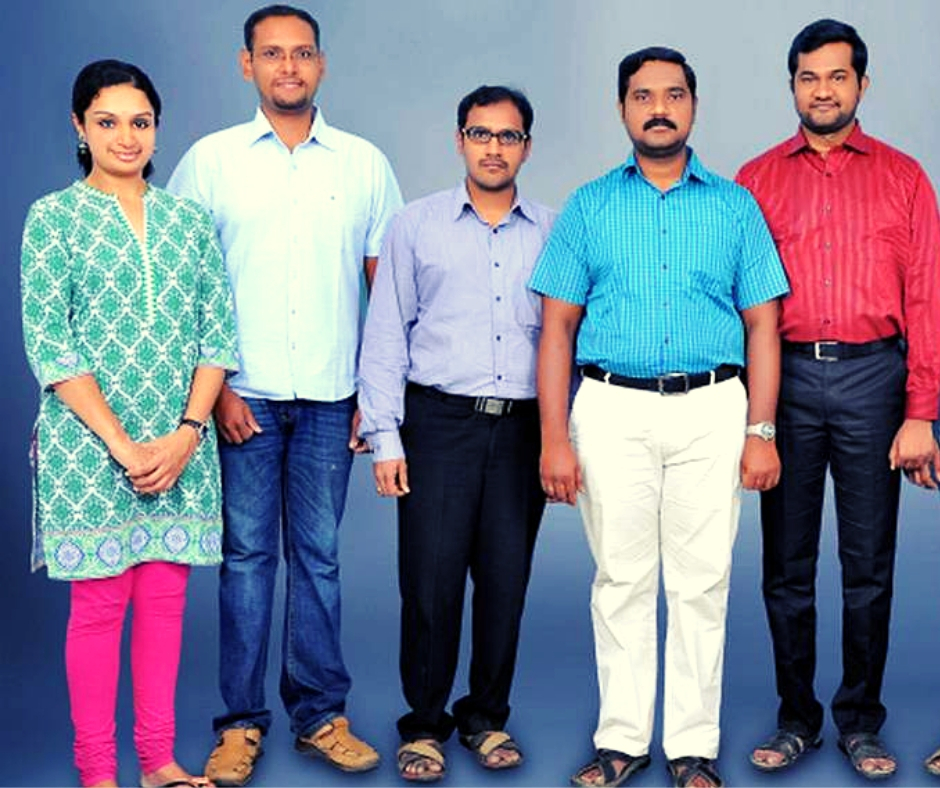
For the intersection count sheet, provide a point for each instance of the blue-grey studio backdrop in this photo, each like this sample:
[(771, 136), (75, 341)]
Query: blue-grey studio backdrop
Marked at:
[(396, 70)]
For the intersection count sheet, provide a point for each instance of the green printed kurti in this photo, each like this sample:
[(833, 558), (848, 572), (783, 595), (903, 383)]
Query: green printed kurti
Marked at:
[(140, 317)]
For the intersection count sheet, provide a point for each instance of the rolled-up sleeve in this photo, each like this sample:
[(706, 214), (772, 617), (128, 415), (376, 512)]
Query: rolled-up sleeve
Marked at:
[(46, 288)]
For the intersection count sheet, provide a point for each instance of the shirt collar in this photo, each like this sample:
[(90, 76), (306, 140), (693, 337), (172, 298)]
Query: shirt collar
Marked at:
[(858, 141), (693, 169), (462, 202), (320, 131)]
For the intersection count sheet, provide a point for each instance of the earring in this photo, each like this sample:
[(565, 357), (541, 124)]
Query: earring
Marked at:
[(82, 146)]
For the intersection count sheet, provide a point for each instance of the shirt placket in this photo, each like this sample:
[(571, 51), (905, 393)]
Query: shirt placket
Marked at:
[(293, 262), (501, 302), (663, 296), (827, 251)]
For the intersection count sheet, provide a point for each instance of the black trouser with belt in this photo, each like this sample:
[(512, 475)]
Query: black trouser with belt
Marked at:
[(475, 505), (840, 408)]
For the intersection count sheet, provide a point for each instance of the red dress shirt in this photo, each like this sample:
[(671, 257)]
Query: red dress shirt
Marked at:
[(859, 235)]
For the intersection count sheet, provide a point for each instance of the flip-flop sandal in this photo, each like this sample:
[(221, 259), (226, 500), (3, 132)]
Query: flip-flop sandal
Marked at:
[(604, 762), (485, 743), (859, 747), (787, 744), (421, 751), (684, 770)]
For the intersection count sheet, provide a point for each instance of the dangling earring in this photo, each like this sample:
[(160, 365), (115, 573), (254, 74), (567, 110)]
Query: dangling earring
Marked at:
[(82, 146)]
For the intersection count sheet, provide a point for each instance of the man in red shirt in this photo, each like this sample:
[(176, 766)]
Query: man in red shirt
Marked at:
[(856, 224)]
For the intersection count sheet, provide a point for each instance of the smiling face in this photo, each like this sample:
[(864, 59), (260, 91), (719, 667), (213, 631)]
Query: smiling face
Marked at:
[(826, 89), (285, 65), (658, 110), (120, 129), (492, 166)]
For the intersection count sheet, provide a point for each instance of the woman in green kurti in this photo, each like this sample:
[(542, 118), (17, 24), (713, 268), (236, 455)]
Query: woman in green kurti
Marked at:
[(129, 329)]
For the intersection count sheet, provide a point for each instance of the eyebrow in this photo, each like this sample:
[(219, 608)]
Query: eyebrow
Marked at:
[(145, 113)]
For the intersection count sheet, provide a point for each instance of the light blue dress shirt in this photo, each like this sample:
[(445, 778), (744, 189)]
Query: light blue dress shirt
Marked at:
[(294, 227), (663, 276), (450, 309)]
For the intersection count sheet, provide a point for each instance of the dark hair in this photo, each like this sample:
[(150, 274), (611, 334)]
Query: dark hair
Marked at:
[(278, 10), (104, 74), (485, 95), (635, 60), (828, 31)]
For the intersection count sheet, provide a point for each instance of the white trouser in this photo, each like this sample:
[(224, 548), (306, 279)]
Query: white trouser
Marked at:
[(662, 478)]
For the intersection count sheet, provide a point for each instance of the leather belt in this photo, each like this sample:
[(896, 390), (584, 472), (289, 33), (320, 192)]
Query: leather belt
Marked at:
[(670, 383), (491, 406), (838, 351)]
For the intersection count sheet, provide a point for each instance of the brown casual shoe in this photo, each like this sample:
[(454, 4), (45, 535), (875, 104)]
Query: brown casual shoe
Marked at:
[(337, 746), (233, 759)]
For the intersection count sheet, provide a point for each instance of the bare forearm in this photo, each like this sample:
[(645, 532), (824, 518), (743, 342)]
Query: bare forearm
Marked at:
[(763, 365), (554, 382), (83, 396), (204, 391)]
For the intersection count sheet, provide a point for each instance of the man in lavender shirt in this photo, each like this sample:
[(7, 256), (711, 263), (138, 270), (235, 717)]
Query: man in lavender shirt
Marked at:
[(447, 394)]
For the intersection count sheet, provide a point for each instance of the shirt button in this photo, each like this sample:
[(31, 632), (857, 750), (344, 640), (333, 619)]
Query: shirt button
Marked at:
[(496, 265), (495, 231), (499, 298), (827, 245), (828, 282), (827, 209), (826, 322), (499, 377), (498, 337)]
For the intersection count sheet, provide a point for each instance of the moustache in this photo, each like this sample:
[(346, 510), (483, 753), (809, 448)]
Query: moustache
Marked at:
[(654, 122)]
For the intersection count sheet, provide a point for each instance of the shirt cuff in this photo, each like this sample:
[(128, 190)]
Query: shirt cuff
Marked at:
[(386, 446)]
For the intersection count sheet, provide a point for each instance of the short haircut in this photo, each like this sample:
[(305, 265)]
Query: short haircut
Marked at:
[(278, 10), (485, 95), (828, 31), (635, 60), (104, 74)]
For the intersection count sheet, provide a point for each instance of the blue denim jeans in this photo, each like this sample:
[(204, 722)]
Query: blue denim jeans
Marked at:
[(285, 486)]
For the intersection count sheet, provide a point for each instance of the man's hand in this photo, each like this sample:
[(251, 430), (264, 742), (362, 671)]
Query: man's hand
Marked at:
[(560, 473), (233, 418), (915, 452), (167, 457), (391, 477), (760, 464), (357, 445)]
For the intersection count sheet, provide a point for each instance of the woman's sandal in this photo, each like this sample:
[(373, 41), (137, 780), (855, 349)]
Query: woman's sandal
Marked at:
[(605, 762), (487, 743), (415, 759)]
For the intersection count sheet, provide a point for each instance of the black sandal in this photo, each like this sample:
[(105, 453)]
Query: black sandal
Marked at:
[(787, 744), (684, 770), (604, 762), (859, 747), (485, 743)]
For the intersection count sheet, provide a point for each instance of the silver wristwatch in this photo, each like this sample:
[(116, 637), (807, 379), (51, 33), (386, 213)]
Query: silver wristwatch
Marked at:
[(765, 430)]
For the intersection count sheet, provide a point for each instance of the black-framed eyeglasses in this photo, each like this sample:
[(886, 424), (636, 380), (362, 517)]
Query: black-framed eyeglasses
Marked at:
[(482, 135)]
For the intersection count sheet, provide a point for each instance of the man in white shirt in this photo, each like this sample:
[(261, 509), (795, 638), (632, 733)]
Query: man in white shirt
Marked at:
[(300, 209)]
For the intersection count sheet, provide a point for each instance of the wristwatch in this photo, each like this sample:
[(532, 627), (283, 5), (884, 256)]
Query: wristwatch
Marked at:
[(765, 430), (200, 426)]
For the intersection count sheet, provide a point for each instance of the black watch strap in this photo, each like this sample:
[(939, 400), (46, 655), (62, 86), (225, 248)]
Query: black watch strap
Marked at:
[(200, 426)]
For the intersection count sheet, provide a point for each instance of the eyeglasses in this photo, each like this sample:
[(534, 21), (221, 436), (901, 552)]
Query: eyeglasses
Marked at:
[(507, 137)]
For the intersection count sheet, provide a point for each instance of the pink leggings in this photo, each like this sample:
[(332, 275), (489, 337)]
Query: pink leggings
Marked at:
[(92, 658)]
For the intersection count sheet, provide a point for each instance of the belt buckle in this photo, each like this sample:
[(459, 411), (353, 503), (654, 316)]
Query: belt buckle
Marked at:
[(492, 406), (817, 351), (661, 382)]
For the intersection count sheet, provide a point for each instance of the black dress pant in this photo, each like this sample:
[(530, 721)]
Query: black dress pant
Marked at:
[(842, 415), (474, 506)]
